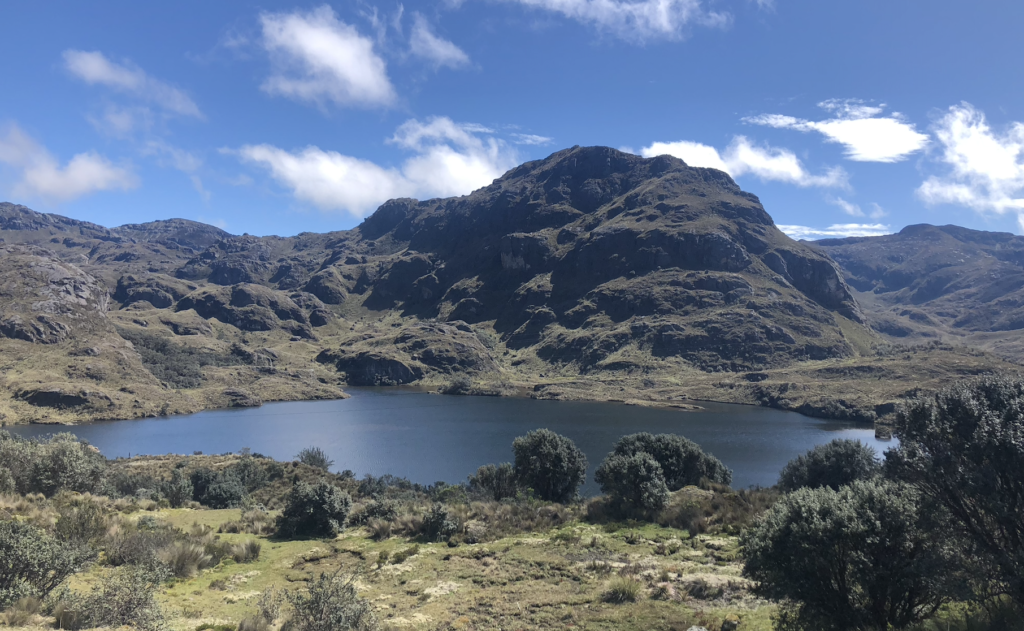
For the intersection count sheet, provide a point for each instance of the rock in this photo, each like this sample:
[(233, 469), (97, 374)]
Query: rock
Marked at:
[(159, 290), (241, 398), (328, 286), (372, 368), (63, 397), (250, 308), (731, 622)]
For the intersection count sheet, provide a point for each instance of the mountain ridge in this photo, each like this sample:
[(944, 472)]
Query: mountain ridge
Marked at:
[(589, 274)]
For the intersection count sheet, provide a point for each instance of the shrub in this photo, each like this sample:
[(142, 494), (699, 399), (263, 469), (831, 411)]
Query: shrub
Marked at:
[(33, 562), (964, 449), (863, 556), (382, 509), (550, 464), (315, 457), (126, 598), (331, 604), (8, 485), (185, 559), (682, 461), (498, 482), (21, 612), (635, 481), (179, 490), (226, 492), (248, 552), (79, 521), (405, 553), (66, 464), (250, 472), (318, 510), (439, 523), (833, 464), (624, 590)]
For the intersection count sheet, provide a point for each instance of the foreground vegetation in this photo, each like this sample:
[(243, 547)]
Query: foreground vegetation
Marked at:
[(240, 542)]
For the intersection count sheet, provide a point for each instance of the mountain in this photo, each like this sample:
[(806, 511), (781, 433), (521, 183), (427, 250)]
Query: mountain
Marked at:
[(940, 282), (590, 274)]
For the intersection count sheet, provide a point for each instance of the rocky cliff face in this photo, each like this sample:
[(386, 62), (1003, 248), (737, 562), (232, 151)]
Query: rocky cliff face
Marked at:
[(589, 273)]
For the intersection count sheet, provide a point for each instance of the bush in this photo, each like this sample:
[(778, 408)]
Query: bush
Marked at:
[(682, 461), (624, 590), (250, 472), (217, 490), (179, 490), (248, 552), (498, 482), (382, 509), (34, 562), (318, 510), (126, 598), (439, 523), (58, 463), (863, 556), (185, 559), (315, 457), (21, 612), (550, 464), (833, 464), (635, 481), (331, 604), (964, 449)]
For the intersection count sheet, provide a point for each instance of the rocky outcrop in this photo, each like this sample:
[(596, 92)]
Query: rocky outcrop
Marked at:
[(250, 308), (372, 368), (159, 290)]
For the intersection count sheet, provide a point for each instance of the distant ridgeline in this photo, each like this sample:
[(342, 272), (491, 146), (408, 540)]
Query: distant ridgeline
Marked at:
[(590, 274)]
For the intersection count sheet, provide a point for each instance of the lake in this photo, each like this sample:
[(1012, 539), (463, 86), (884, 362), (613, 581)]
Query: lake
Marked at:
[(429, 437)]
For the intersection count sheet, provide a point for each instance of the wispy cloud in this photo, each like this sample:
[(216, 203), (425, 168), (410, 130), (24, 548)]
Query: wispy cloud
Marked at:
[(866, 135), (40, 175), (531, 139), (636, 20), (836, 231), (854, 210), (986, 168), (318, 58), (438, 51), (96, 69), (448, 159), (743, 157)]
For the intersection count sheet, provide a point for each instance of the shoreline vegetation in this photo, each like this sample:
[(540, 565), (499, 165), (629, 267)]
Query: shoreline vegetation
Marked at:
[(919, 539)]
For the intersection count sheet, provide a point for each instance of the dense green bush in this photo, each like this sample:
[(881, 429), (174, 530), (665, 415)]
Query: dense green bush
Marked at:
[(33, 562), (439, 524), (550, 464), (314, 510), (251, 472), (49, 466), (964, 448), (315, 457), (865, 556), (833, 464), (331, 604), (179, 489), (497, 481), (682, 461), (217, 489), (380, 508), (79, 521), (634, 481)]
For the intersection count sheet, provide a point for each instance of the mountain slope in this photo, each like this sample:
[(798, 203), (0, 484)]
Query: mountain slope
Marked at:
[(940, 282), (589, 274)]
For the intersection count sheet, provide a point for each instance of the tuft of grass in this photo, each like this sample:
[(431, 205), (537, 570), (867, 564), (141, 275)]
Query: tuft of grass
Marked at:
[(21, 612), (623, 590), (402, 555), (247, 552), (186, 559)]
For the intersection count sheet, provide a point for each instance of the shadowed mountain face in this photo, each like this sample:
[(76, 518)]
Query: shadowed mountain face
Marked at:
[(940, 281), (592, 265)]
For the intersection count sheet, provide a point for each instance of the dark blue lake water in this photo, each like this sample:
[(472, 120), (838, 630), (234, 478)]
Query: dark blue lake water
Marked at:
[(430, 437)]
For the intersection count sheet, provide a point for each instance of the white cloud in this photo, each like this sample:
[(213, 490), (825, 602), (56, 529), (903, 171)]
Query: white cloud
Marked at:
[(836, 231), (531, 139), (636, 20), (449, 159), (438, 51), (318, 58), (742, 157), (860, 128), (41, 176), (95, 69), (986, 168)]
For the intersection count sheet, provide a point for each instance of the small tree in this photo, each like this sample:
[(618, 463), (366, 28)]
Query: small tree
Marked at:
[(315, 457), (439, 523), (682, 461), (833, 464), (33, 562), (179, 490), (863, 556), (125, 598), (497, 481), (964, 448), (314, 510), (550, 464), (332, 604), (635, 481)]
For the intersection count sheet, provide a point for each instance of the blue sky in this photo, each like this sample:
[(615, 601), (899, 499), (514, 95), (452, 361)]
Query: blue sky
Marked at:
[(281, 117)]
